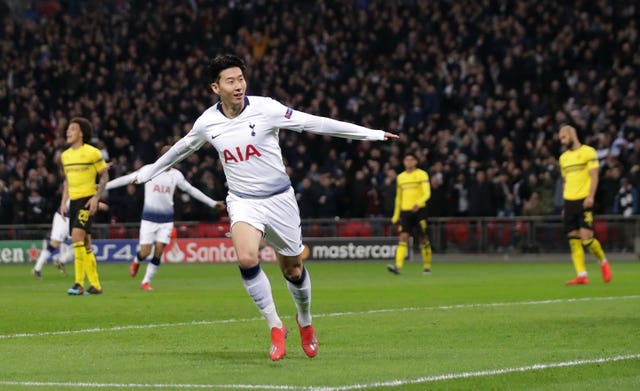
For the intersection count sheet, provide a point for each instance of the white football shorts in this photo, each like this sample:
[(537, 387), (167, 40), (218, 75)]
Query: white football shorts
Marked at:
[(59, 228), (151, 232), (277, 217)]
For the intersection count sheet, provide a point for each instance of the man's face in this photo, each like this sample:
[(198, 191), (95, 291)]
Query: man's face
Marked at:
[(409, 162), (74, 133), (231, 86), (565, 138)]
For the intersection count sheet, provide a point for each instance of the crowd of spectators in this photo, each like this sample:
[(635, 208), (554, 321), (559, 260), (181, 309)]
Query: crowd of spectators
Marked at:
[(476, 88)]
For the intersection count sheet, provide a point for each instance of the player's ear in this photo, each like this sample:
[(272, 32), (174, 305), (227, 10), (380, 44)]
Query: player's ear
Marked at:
[(215, 88)]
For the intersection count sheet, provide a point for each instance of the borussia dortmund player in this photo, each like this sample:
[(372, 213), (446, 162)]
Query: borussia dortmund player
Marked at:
[(82, 164), (579, 167), (412, 193)]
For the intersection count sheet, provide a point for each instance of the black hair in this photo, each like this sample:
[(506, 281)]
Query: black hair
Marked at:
[(222, 62), (85, 127), (412, 154)]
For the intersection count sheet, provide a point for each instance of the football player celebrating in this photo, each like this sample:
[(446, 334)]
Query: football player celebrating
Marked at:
[(261, 202)]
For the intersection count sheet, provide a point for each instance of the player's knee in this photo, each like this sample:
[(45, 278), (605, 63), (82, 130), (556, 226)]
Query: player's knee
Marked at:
[(293, 272), (296, 276), (291, 267), (247, 259)]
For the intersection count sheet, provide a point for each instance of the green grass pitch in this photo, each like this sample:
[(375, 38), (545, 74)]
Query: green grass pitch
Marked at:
[(482, 326)]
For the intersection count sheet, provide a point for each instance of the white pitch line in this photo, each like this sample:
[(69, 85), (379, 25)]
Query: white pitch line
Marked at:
[(333, 314), (390, 383)]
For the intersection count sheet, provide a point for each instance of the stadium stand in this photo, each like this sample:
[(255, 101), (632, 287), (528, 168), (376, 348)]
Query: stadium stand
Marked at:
[(471, 86)]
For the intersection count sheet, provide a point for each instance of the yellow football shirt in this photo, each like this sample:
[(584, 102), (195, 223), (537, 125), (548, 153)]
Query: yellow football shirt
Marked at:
[(575, 167), (412, 188), (81, 166)]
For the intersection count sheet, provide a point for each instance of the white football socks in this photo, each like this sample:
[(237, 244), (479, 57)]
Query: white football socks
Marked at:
[(301, 294), (259, 288), (42, 259), (150, 273)]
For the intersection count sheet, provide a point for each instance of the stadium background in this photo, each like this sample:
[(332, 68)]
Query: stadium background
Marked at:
[(477, 89)]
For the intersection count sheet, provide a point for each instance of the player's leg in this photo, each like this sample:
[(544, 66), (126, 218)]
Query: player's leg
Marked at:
[(147, 237), (593, 245), (299, 285), (92, 268), (79, 223), (404, 231), (571, 216), (163, 238), (425, 244), (44, 256), (65, 255), (246, 241), (59, 234), (577, 257), (80, 253), (285, 235)]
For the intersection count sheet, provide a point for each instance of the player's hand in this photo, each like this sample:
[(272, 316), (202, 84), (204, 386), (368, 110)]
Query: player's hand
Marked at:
[(415, 208), (390, 136), (92, 204), (143, 175), (221, 205), (588, 202), (63, 211)]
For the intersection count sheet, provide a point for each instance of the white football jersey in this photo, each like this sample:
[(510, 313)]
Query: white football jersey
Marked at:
[(158, 194), (248, 145)]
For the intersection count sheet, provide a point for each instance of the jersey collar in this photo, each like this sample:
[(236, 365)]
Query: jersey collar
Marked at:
[(246, 103)]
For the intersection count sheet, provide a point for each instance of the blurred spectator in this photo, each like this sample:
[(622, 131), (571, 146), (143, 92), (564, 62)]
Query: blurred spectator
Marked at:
[(307, 196), (481, 202), (626, 201), (491, 84), (326, 198)]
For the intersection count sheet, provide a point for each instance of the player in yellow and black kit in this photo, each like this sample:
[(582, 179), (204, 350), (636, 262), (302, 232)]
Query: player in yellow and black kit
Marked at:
[(579, 167), (82, 163), (412, 193)]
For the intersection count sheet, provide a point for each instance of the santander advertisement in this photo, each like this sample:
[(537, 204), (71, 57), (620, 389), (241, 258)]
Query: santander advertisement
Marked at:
[(178, 251)]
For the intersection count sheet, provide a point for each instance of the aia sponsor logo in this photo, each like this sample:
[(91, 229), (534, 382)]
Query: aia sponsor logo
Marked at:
[(238, 155), (161, 189)]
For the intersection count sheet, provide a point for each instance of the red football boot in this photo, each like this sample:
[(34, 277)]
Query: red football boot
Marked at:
[(606, 271), (278, 348), (309, 339), (580, 280)]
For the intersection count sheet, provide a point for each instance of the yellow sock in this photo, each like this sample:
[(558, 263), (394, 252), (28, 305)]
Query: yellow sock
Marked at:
[(401, 252), (92, 270), (594, 247), (79, 262), (577, 255), (426, 254)]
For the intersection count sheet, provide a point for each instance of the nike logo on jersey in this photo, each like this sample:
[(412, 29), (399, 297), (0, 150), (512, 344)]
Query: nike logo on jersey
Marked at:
[(213, 137)]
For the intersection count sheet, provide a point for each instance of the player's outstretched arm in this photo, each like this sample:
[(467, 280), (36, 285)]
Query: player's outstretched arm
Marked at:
[(175, 154), (198, 195), (332, 127), (390, 136), (121, 181), (285, 117)]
